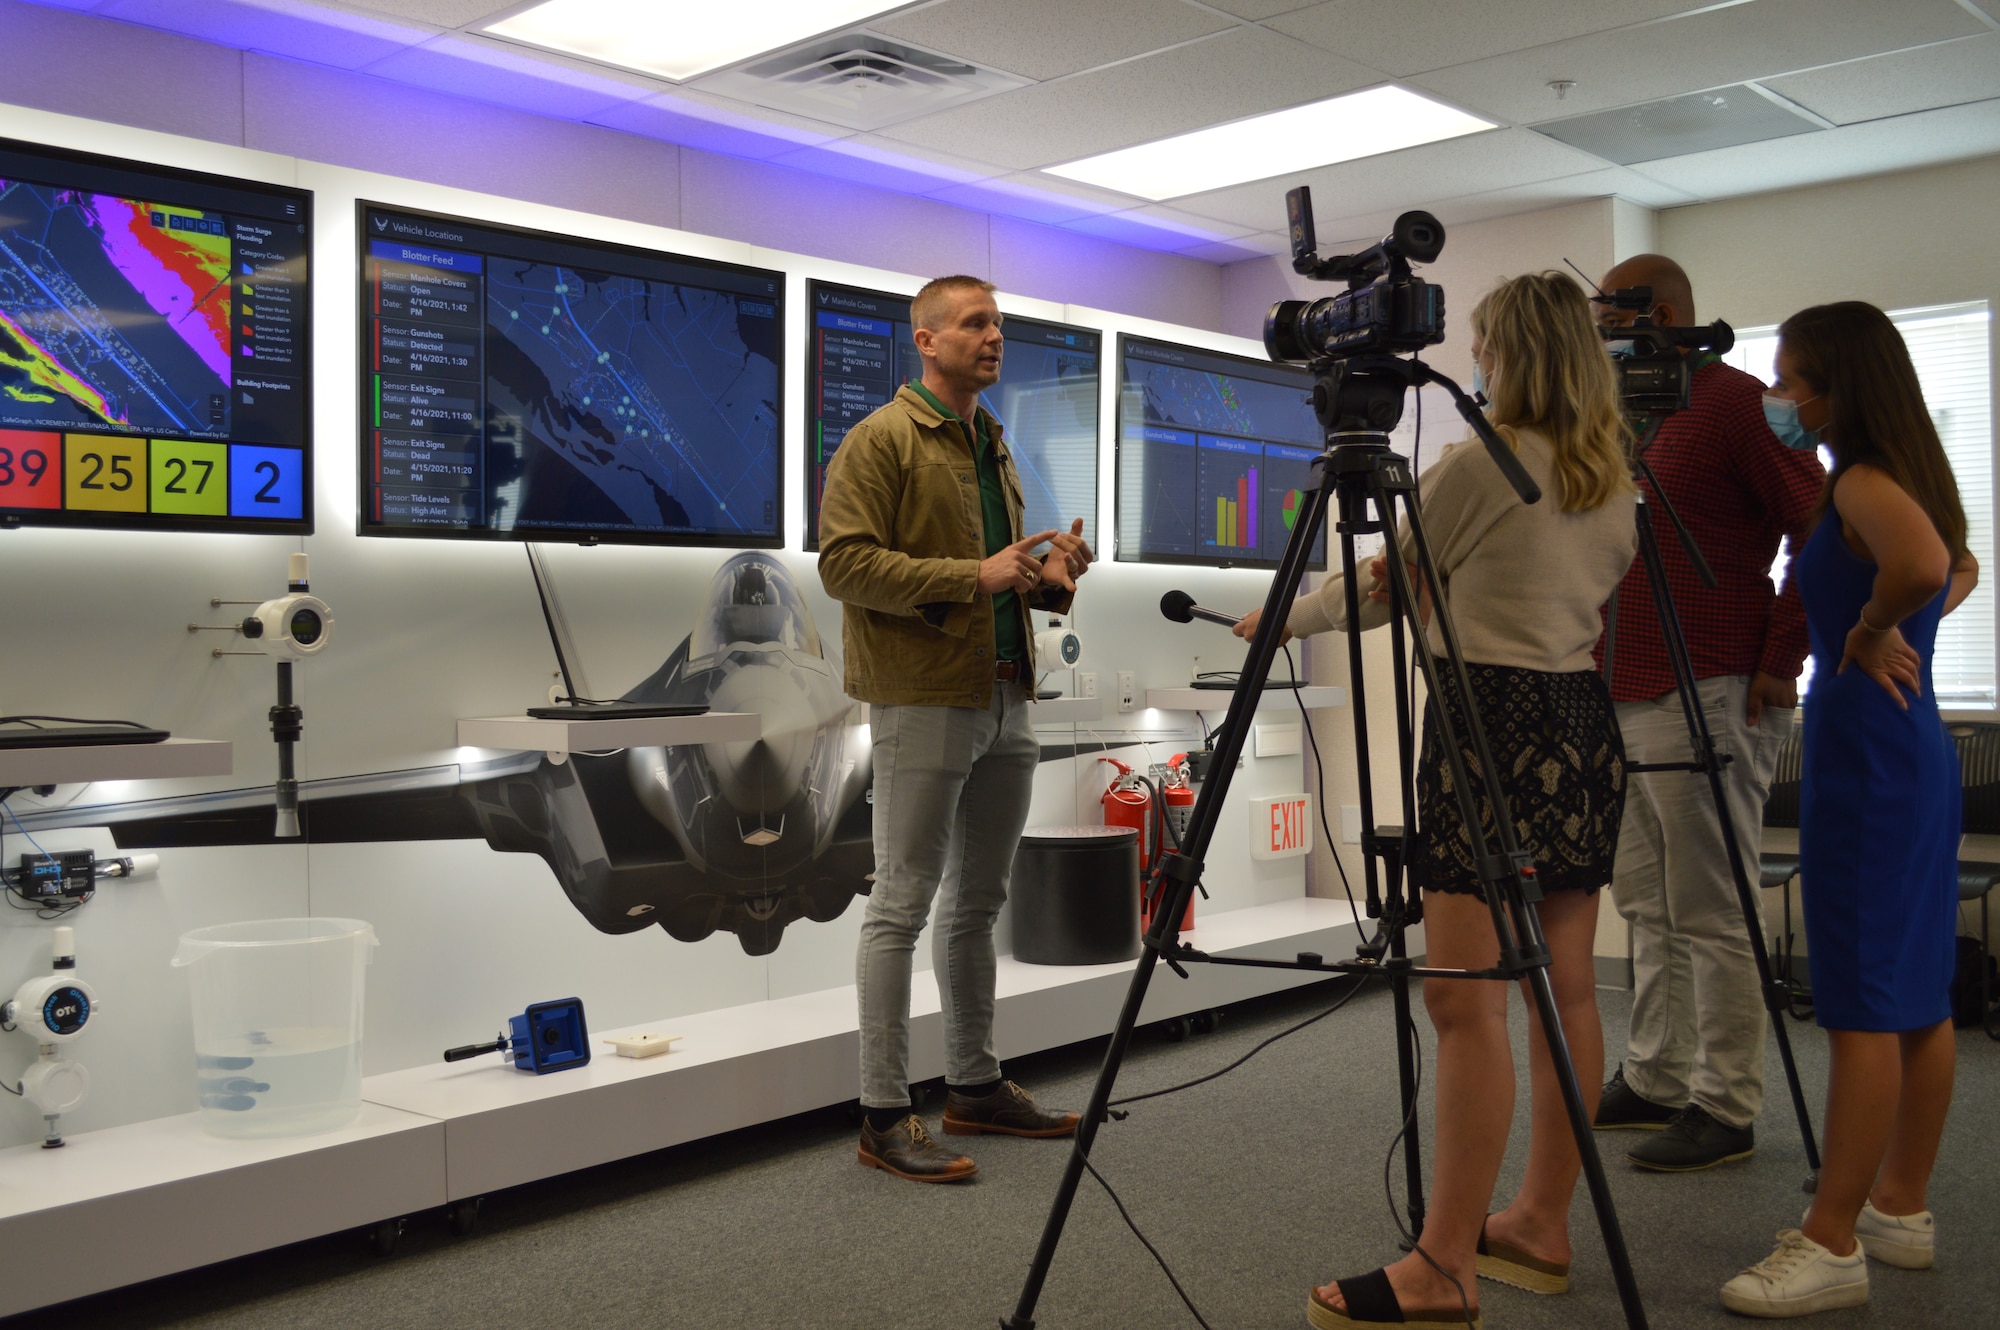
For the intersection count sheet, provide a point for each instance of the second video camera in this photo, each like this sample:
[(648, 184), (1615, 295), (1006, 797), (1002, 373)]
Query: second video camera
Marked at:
[(1653, 378)]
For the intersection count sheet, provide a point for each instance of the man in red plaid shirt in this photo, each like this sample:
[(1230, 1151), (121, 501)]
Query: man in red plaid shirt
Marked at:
[(1694, 1066)]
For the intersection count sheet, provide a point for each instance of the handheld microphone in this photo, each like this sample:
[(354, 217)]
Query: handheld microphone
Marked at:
[(1180, 607)]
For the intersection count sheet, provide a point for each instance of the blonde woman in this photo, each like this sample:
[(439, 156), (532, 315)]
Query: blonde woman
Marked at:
[(1524, 584)]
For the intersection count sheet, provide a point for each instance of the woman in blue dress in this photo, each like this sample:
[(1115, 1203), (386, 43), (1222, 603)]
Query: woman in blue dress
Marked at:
[(1879, 818)]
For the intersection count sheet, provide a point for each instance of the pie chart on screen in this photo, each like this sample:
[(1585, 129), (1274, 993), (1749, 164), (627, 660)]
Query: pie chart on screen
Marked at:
[(1289, 506)]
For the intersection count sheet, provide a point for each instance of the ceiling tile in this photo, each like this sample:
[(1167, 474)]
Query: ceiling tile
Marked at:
[(699, 120), (490, 71), (1701, 50), (1946, 75), (1243, 72), (1873, 148), (280, 27), (886, 164), (1044, 39), (1257, 9), (1401, 38), (1258, 246), (1154, 227), (1035, 197), (443, 13), (1413, 178)]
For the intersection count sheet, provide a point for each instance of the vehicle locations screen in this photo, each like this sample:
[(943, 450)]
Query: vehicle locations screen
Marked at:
[(1214, 456), (521, 385), (153, 347), (860, 353)]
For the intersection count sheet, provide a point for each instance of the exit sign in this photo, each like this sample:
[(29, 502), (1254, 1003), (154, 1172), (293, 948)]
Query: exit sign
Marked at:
[(1280, 826)]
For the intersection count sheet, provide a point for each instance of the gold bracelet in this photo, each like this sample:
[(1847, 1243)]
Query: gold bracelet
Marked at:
[(1862, 614)]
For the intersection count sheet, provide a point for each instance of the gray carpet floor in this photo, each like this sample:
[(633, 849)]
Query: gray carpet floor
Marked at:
[(1253, 1187)]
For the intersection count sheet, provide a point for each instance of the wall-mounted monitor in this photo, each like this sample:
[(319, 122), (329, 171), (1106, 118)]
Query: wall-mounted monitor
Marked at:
[(518, 385), (858, 352), (1214, 456), (155, 366)]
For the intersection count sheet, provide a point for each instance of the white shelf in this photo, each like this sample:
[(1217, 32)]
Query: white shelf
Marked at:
[(1067, 711), (161, 1196), (87, 762), (155, 1197), (529, 734), (1217, 699)]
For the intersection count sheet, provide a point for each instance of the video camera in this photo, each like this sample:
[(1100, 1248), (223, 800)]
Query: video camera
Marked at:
[(1653, 377), (1384, 310)]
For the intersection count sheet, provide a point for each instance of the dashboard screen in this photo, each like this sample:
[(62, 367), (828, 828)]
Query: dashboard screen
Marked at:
[(154, 359), (527, 386), (1214, 456), (859, 353)]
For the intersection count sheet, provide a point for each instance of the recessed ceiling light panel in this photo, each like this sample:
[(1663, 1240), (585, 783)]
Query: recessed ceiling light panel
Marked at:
[(1340, 129), (678, 39)]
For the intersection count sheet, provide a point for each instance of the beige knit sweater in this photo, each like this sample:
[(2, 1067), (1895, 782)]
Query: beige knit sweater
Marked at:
[(1524, 582)]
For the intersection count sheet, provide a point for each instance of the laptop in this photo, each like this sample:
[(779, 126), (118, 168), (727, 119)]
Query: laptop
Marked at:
[(75, 736), (575, 709)]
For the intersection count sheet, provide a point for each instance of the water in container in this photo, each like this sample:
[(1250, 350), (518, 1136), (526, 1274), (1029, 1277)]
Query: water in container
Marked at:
[(277, 1023)]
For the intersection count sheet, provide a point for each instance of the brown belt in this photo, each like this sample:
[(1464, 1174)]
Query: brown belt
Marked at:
[(1007, 671)]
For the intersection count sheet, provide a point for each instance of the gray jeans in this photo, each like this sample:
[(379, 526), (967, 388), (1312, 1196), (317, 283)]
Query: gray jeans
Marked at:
[(1697, 1017), (951, 797)]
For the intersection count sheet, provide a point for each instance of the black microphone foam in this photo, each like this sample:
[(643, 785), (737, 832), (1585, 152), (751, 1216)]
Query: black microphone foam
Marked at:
[(1178, 606)]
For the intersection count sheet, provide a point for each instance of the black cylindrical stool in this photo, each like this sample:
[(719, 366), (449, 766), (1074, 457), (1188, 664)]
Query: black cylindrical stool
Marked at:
[(1075, 893)]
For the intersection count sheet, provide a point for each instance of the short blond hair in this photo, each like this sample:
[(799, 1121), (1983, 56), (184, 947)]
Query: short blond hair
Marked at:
[(1551, 373), (931, 301)]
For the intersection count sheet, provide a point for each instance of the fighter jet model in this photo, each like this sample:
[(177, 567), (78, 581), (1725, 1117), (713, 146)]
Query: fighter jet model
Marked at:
[(744, 836)]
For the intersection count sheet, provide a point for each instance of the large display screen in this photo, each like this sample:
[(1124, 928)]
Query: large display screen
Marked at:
[(859, 352), (1214, 456), (527, 386), (154, 359)]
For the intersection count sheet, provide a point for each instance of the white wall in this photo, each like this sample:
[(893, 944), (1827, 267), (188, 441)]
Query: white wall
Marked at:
[(431, 631)]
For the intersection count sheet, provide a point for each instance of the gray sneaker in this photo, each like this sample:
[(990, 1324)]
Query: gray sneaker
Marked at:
[(1693, 1140)]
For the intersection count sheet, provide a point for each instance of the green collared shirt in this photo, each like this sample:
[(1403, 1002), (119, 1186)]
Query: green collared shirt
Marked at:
[(1007, 644)]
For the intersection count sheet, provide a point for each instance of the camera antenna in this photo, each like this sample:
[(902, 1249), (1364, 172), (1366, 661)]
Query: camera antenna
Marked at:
[(1600, 297)]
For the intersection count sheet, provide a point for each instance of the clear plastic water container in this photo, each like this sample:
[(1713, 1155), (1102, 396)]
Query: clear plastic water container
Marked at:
[(277, 1023)]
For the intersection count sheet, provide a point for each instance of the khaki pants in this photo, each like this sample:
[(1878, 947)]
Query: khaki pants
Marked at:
[(1697, 1015)]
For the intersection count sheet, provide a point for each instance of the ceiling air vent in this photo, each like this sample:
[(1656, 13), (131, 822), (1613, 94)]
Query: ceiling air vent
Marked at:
[(859, 81), (1676, 126)]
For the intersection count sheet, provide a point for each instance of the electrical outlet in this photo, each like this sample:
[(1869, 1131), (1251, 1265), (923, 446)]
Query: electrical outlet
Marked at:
[(1086, 683), (1350, 824), (1128, 690)]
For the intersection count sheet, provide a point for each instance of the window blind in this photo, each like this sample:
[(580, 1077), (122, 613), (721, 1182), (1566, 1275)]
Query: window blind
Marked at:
[(1951, 348)]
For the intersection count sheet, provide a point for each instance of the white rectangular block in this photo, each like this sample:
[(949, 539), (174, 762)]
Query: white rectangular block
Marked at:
[(1277, 740), (1280, 826)]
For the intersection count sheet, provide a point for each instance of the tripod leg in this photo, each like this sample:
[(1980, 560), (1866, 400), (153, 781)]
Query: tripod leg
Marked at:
[(1776, 995)]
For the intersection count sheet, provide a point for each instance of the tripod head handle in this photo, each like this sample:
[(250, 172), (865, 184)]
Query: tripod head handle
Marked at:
[(1496, 447)]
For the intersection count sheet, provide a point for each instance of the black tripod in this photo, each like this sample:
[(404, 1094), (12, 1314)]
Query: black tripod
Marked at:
[(1357, 402), (1708, 762)]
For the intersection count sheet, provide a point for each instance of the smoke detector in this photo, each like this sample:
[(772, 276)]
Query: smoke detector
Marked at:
[(859, 81)]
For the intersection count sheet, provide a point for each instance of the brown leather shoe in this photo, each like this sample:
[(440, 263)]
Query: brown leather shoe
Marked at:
[(908, 1151), (1008, 1111)]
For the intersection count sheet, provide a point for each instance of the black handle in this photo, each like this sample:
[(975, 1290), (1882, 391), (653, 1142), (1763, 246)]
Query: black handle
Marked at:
[(465, 1051)]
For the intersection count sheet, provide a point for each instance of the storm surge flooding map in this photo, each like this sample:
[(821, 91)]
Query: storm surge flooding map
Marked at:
[(113, 312), (641, 403)]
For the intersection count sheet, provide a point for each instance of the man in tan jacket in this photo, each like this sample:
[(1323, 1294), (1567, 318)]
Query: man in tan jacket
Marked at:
[(921, 542)]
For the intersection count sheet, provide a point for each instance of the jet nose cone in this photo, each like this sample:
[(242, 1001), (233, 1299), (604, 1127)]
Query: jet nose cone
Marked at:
[(766, 773)]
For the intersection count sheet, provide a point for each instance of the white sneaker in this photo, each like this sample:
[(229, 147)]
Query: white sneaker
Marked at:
[(1909, 1241), (1799, 1278)]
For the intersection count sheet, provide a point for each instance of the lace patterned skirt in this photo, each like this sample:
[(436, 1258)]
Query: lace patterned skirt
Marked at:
[(1561, 764)]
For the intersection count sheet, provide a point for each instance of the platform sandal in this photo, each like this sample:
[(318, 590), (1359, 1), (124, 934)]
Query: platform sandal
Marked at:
[(1371, 1301), (1504, 1263)]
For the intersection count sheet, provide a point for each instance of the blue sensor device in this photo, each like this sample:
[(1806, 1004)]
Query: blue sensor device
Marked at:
[(548, 1036)]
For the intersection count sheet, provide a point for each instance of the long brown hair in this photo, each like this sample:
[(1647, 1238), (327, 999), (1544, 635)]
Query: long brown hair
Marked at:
[(1876, 414), (1551, 373)]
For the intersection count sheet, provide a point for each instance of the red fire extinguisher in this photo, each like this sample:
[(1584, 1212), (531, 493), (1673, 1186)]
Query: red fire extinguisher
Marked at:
[(1129, 803)]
